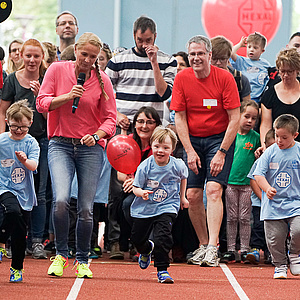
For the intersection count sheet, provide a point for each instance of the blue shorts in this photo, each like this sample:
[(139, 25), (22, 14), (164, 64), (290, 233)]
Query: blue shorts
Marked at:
[(206, 148)]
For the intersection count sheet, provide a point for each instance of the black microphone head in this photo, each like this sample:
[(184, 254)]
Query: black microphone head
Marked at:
[(81, 78)]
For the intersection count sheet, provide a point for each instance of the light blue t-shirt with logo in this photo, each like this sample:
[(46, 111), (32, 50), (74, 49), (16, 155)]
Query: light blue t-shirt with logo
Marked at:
[(256, 71), (14, 176), (281, 168), (164, 181)]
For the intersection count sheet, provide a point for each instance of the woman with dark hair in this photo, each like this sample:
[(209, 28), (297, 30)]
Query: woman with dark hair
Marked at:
[(144, 122), (77, 140)]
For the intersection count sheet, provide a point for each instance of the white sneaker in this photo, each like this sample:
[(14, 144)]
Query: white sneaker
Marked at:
[(211, 258), (198, 256), (280, 272), (294, 264)]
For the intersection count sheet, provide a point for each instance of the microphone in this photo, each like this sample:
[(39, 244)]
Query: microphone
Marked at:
[(80, 81)]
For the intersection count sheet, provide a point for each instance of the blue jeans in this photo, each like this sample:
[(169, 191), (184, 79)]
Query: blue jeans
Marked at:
[(64, 159), (38, 214)]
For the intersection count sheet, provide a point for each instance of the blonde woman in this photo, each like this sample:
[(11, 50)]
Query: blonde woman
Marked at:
[(76, 144)]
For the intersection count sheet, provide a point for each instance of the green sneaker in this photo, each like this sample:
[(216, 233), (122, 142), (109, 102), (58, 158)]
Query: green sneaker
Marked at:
[(16, 275), (83, 271), (58, 265), (2, 253)]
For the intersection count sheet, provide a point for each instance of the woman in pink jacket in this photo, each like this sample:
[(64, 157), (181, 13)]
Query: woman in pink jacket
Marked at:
[(76, 143)]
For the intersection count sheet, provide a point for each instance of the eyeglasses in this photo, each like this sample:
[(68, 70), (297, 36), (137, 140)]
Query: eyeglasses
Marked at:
[(15, 50), (63, 23), (148, 122), (287, 72), (15, 128), (200, 54), (220, 59)]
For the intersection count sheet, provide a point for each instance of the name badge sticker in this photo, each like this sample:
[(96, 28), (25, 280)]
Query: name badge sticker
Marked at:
[(6, 163), (210, 102), (273, 166), (152, 184)]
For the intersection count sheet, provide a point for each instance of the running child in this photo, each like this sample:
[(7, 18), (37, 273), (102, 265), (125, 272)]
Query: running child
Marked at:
[(159, 186), (278, 175), (19, 156)]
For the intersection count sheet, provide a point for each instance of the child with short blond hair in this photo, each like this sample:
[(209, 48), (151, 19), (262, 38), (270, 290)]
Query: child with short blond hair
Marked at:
[(252, 66), (278, 175), (159, 186), (19, 155)]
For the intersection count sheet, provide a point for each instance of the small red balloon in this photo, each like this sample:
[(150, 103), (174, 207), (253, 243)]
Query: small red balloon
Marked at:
[(124, 153)]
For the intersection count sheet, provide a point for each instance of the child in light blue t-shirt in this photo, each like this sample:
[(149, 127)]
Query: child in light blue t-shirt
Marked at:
[(253, 66), (278, 175), (159, 186), (19, 156)]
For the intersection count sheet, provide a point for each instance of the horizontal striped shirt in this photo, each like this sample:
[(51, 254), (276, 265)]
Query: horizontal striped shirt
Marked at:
[(133, 80)]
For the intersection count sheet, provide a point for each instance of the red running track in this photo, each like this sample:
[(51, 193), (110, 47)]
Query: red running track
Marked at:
[(125, 280)]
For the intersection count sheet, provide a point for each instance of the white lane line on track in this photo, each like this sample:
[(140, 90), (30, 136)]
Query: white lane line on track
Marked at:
[(76, 287), (237, 288)]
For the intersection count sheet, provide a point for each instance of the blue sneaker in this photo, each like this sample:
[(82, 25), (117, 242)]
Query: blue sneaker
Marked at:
[(16, 275), (2, 253), (145, 259), (253, 256), (164, 277)]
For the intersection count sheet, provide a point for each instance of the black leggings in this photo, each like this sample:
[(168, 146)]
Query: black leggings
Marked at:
[(14, 224)]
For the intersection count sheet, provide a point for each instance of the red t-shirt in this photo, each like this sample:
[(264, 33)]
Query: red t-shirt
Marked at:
[(205, 100)]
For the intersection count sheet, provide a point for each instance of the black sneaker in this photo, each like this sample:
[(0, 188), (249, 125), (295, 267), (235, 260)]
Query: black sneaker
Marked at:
[(50, 248), (228, 257), (244, 259)]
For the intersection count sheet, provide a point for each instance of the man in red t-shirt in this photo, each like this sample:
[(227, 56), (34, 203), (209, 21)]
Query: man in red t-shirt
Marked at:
[(206, 103)]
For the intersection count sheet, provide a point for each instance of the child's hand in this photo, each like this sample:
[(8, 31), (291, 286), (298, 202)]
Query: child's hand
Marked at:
[(271, 192), (184, 203), (21, 156), (243, 41), (145, 194)]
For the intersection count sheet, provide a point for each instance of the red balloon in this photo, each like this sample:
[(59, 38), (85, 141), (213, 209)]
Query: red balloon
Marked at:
[(124, 153), (236, 18)]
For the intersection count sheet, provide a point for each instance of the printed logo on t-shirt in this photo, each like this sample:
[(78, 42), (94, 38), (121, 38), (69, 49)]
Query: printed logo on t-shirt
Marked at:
[(18, 175), (295, 164), (6, 163), (160, 195), (283, 179), (261, 77), (248, 146)]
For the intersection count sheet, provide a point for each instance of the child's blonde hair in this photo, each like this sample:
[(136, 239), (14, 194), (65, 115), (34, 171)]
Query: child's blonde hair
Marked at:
[(257, 38), (160, 133), (247, 103), (18, 110)]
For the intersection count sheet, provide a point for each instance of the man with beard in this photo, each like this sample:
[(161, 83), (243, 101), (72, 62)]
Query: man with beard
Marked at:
[(66, 29), (142, 75)]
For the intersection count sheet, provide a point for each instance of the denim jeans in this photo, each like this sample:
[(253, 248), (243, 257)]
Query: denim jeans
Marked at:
[(64, 159), (38, 214)]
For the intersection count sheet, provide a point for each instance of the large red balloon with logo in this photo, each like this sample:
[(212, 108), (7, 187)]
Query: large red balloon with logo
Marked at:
[(236, 18), (123, 153)]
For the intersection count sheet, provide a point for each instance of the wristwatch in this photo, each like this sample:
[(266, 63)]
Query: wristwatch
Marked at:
[(96, 137), (223, 150)]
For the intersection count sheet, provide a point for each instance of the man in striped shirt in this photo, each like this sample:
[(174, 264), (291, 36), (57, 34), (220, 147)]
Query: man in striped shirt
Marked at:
[(142, 75)]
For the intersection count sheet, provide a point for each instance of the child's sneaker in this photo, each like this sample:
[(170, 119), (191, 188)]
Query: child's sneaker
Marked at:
[(211, 257), (294, 264), (83, 270), (58, 265), (16, 275), (280, 272), (2, 253), (164, 277), (253, 256), (145, 259), (228, 257)]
